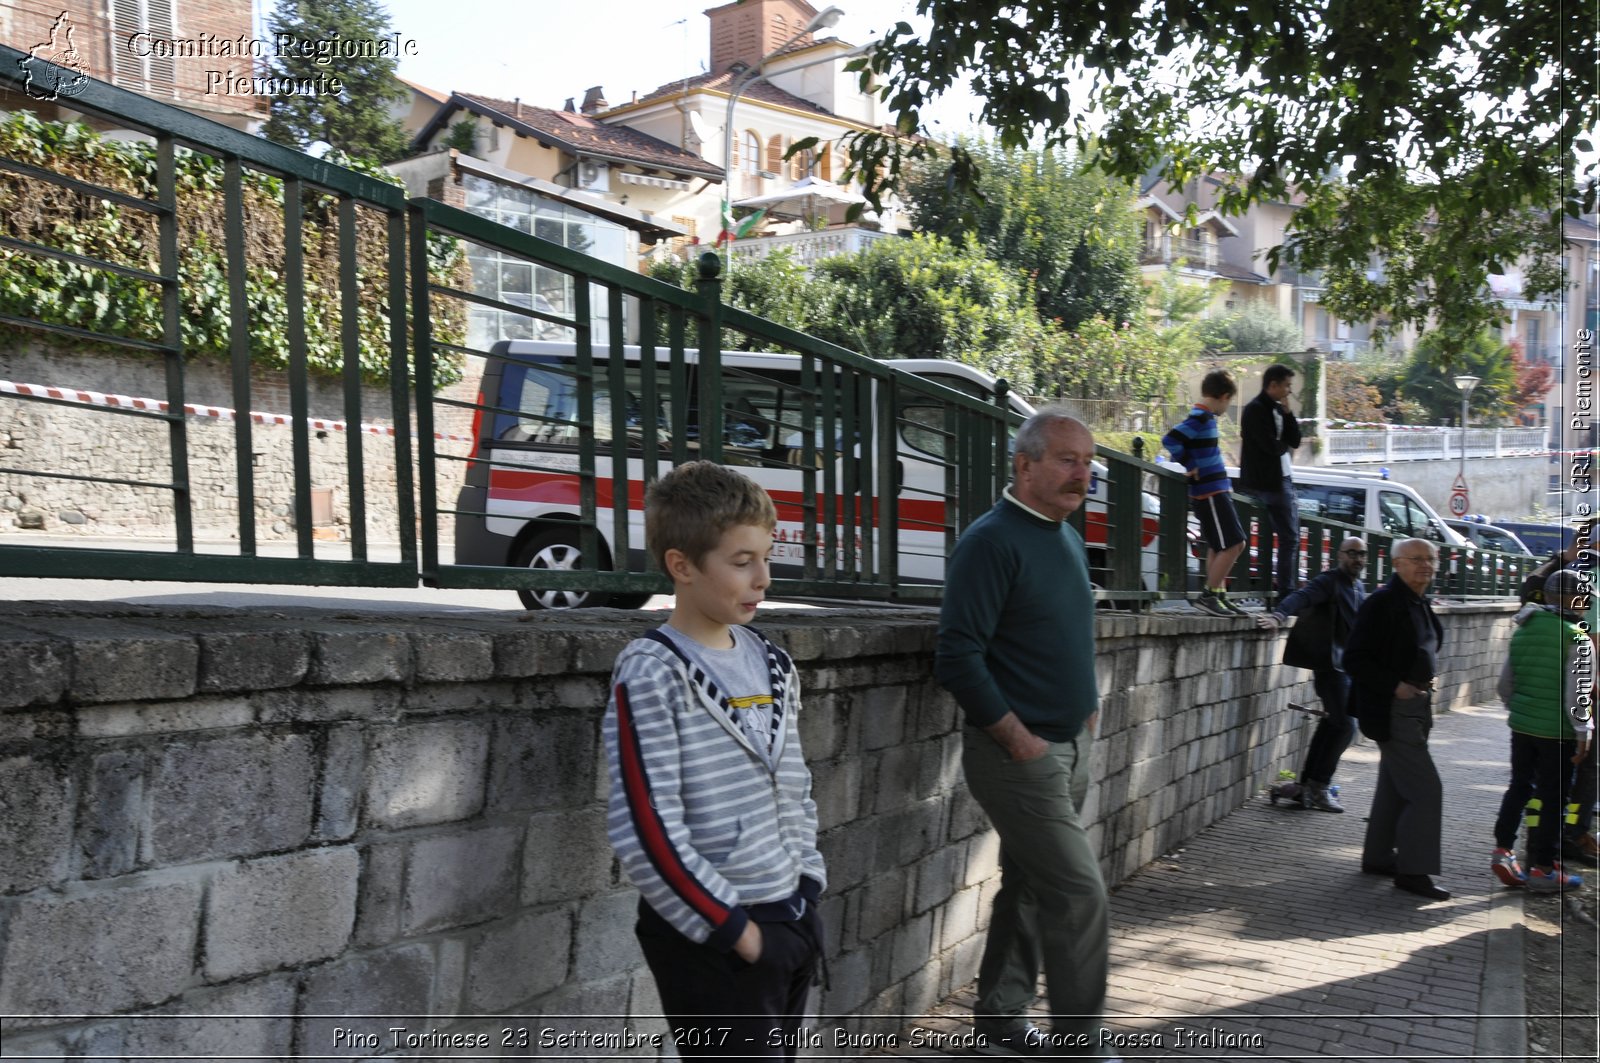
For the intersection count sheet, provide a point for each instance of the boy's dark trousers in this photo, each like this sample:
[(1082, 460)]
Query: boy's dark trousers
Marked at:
[(1541, 765), (718, 1005)]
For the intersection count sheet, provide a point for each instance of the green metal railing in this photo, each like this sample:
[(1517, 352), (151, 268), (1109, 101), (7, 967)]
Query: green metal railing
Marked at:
[(882, 469), (1462, 572), (834, 433), (174, 133)]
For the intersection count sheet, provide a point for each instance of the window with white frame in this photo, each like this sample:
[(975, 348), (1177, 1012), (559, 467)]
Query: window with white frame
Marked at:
[(517, 282), (750, 164)]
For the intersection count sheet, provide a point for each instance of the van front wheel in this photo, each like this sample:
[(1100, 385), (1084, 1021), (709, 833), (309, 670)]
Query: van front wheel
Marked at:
[(558, 550)]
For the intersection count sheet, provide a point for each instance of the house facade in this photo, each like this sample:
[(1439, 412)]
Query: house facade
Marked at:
[(662, 154), (201, 55)]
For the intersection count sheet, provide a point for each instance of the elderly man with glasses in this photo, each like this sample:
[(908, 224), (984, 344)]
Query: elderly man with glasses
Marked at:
[(1329, 603), (1392, 657)]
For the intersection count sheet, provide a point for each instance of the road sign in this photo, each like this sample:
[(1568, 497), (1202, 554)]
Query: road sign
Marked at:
[(1460, 484), (1458, 503)]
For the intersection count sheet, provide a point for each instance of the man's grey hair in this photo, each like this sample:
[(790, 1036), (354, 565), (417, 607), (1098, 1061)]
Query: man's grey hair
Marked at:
[(1427, 544), (1031, 436)]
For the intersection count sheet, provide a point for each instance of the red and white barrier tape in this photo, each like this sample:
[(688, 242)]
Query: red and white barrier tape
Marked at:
[(195, 409)]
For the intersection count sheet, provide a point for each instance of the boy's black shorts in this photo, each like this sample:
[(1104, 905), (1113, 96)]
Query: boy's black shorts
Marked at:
[(1219, 521)]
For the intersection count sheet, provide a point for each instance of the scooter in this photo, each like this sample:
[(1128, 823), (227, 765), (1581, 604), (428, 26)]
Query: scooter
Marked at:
[(1289, 791)]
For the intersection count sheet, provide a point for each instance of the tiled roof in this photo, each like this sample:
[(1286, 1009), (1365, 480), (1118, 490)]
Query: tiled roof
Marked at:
[(582, 135), (723, 82), (1238, 273), (1578, 228)]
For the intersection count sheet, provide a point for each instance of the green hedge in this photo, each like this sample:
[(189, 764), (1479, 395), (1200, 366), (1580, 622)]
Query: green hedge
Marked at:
[(54, 292)]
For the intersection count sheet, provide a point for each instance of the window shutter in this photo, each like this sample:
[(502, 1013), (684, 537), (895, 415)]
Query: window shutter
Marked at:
[(162, 73), (775, 154), (127, 69)]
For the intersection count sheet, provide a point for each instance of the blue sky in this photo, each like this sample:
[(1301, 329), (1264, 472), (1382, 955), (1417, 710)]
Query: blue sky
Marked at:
[(547, 50)]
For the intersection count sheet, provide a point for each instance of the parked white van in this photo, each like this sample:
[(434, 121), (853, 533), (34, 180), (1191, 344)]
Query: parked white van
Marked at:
[(1368, 500), (522, 488)]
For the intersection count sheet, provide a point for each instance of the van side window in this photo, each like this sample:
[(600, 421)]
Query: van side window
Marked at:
[(545, 393), (1345, 504), (922, 424)]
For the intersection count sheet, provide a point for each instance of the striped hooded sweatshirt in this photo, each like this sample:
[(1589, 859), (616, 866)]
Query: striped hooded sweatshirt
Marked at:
[(702, 826)]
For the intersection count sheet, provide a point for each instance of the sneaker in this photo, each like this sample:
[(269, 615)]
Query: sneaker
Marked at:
[(1211, 601), (1320, 799), (1229, 604), (1583, 848), (1552, 880), (1505, 867)]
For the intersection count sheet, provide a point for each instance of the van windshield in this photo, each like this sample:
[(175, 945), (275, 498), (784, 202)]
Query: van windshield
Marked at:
[(1402, 516)]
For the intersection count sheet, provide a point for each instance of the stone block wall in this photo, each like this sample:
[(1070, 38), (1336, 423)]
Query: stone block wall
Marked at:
[(92, 440), (280, 819)]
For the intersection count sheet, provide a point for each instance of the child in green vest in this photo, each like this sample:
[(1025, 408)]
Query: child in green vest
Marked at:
[(1548, 686)]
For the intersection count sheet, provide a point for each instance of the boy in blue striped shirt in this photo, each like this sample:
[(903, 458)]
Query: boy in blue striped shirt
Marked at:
[(1193, 444)]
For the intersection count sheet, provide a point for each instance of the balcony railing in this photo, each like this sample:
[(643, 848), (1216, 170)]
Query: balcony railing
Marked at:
[(810, 248), (1402, 443), (1165, 249)]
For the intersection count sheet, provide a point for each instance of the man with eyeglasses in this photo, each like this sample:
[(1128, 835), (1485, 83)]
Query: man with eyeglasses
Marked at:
[(1392, 657), (1330, 602)]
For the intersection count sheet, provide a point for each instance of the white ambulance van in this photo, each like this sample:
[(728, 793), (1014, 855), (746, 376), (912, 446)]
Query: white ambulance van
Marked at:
[(523, 494)]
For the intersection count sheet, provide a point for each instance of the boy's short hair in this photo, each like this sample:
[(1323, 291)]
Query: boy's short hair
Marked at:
[(1275, 373), (1218, 384), (690, 507)]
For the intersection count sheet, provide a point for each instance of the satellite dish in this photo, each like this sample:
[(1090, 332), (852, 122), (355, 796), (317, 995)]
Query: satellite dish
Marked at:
[(698, 124)]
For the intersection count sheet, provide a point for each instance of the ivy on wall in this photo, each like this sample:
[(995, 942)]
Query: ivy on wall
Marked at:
[(54, 292)]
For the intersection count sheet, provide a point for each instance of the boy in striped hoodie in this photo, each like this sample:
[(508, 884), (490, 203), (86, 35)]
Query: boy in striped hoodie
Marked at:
[(1193, 444), (710, 806)]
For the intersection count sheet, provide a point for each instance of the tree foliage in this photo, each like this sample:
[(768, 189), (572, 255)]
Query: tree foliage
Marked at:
[(1533, 379), (1430, 386), (928, 297), (1124, 364), (1445, 137), (1067, 226), (773, 286), (1255, 329), (356, 120), (1351, 396)]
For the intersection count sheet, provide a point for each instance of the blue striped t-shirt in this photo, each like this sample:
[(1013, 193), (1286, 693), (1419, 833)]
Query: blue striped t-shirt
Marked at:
[(1193, 444)]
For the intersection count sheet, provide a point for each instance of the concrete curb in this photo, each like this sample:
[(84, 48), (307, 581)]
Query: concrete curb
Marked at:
[(1503, 1025)]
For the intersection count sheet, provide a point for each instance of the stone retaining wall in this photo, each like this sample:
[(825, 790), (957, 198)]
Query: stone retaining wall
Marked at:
[(283, 818), (90, 440)]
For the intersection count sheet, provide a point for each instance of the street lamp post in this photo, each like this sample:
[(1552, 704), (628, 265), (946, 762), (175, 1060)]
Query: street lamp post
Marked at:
[(828, 16), (1466, 382)]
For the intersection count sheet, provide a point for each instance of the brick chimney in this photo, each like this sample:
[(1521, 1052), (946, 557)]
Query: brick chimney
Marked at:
[(594, 101), (744, 32)]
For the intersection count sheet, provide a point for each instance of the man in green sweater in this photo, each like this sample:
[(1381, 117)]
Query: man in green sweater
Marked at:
[(1016, 649)]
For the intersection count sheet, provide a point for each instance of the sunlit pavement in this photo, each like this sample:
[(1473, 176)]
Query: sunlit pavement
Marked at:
[(1261, 938)]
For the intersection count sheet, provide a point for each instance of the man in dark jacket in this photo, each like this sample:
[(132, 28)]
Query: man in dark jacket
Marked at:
[(1317, 642), (1268, 433), (1392, 657)]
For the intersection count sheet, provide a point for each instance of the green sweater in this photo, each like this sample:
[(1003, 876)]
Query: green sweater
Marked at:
[(1016, 633)]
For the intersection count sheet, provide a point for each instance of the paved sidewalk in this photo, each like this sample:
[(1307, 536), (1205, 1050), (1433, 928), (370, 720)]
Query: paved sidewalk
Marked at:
[(1261, 938)]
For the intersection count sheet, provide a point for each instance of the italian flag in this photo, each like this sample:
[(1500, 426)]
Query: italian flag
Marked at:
[(739, 232)]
